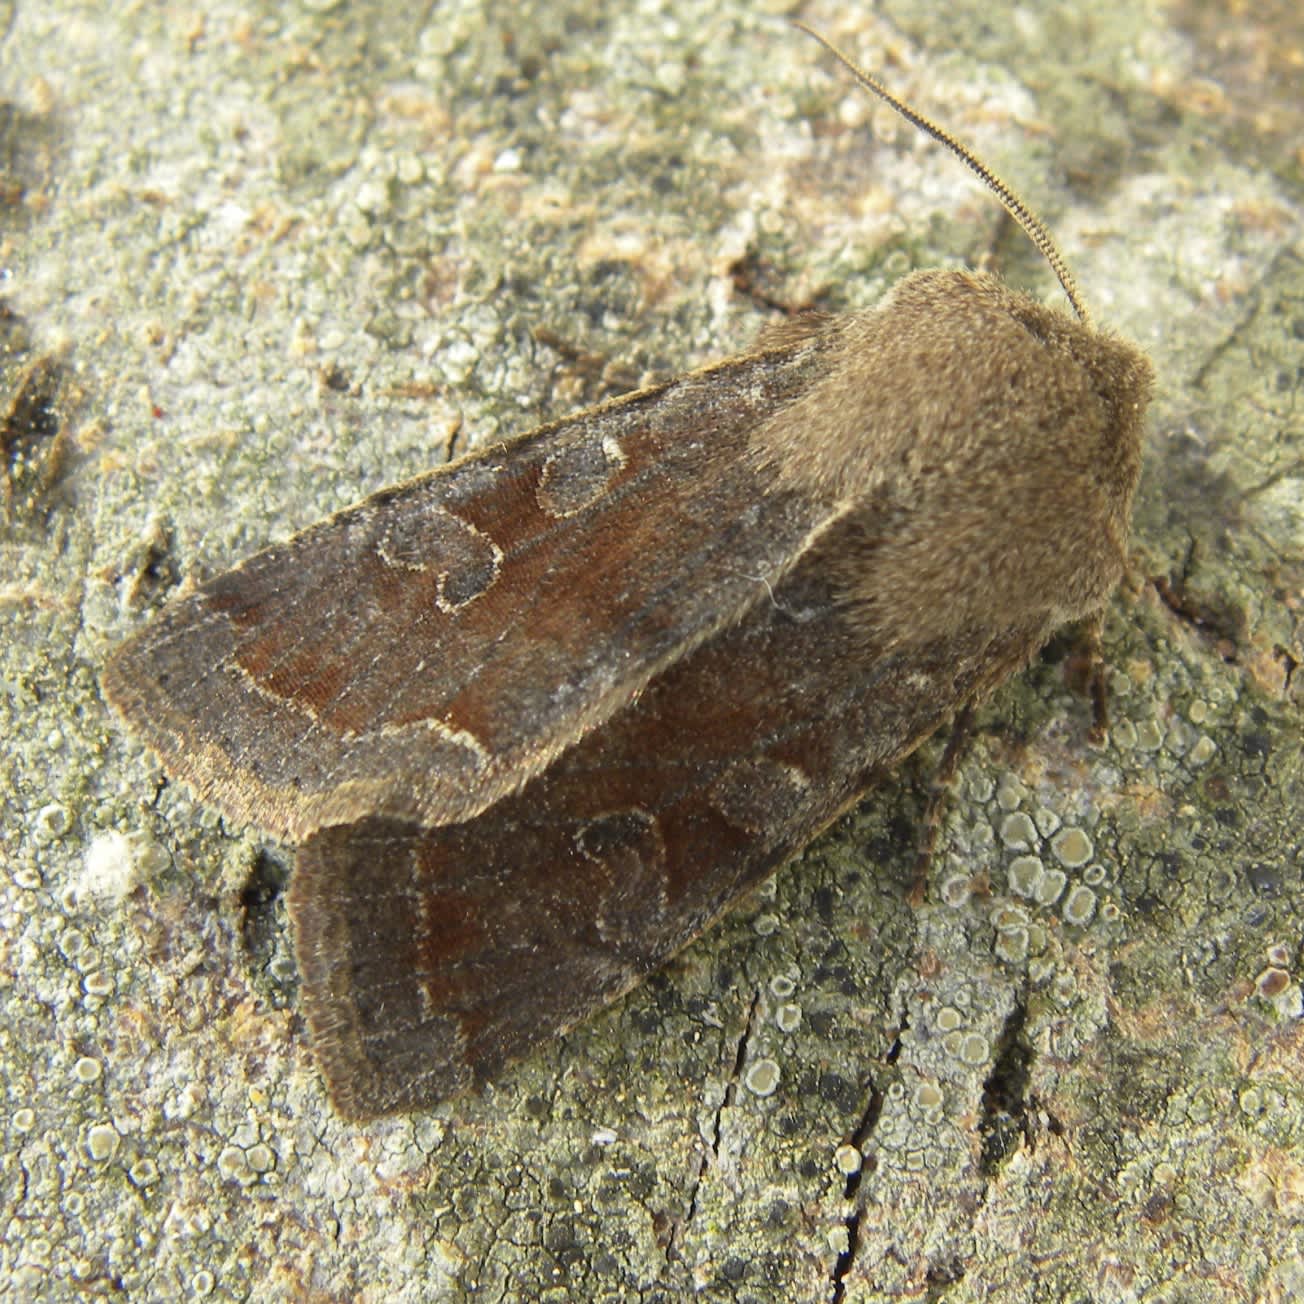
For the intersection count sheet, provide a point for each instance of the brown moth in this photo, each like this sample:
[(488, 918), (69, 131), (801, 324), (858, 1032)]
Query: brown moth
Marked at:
[(538, 717)]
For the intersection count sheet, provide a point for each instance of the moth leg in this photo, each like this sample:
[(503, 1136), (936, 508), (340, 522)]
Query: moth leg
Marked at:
[(1087, 675), (1098, 683), (956, 747), (595, 372)]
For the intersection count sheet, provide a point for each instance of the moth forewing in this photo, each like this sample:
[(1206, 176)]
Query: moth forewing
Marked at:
[(428, 650)]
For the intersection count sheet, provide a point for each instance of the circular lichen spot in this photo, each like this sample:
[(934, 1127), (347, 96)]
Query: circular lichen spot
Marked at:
[(98, 983), (27, 876), (102, 1142), (144, 1172), (50, 823), (766, 925), (1094, 875), (72, 942), (23, 1120), (848, 1160), (109, 868), (1271, 983), (1079, 906), (232, 1165), (1072, 848), (948, 1019), (891, 1133), (1011, 945), (372, 196), (1008, 915), (956, 890), (410, 169), (1203, 751), (87, 1070), (762, 1078), (261, 1158), (1149, 736), (203, 1282), (1010, 793), (1251, 1102), (1046, 820), (975, 1048), (928, 1096), (787, 1017), (1018, 832), (782, 986), (1025, 874), (953, 1044), (1052, 884)]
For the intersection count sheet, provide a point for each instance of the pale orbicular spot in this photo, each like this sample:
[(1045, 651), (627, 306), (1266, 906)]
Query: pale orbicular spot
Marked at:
[(617, 836), (423, 540), (760, 793), (579, 474)]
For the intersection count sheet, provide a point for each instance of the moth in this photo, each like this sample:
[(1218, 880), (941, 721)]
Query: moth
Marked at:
[(536, 718)]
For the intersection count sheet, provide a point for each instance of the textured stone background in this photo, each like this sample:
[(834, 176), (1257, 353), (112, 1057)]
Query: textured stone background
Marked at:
[(262, 259)]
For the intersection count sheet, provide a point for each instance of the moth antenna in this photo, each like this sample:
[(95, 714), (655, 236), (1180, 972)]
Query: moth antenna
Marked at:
[(1033, 227)]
